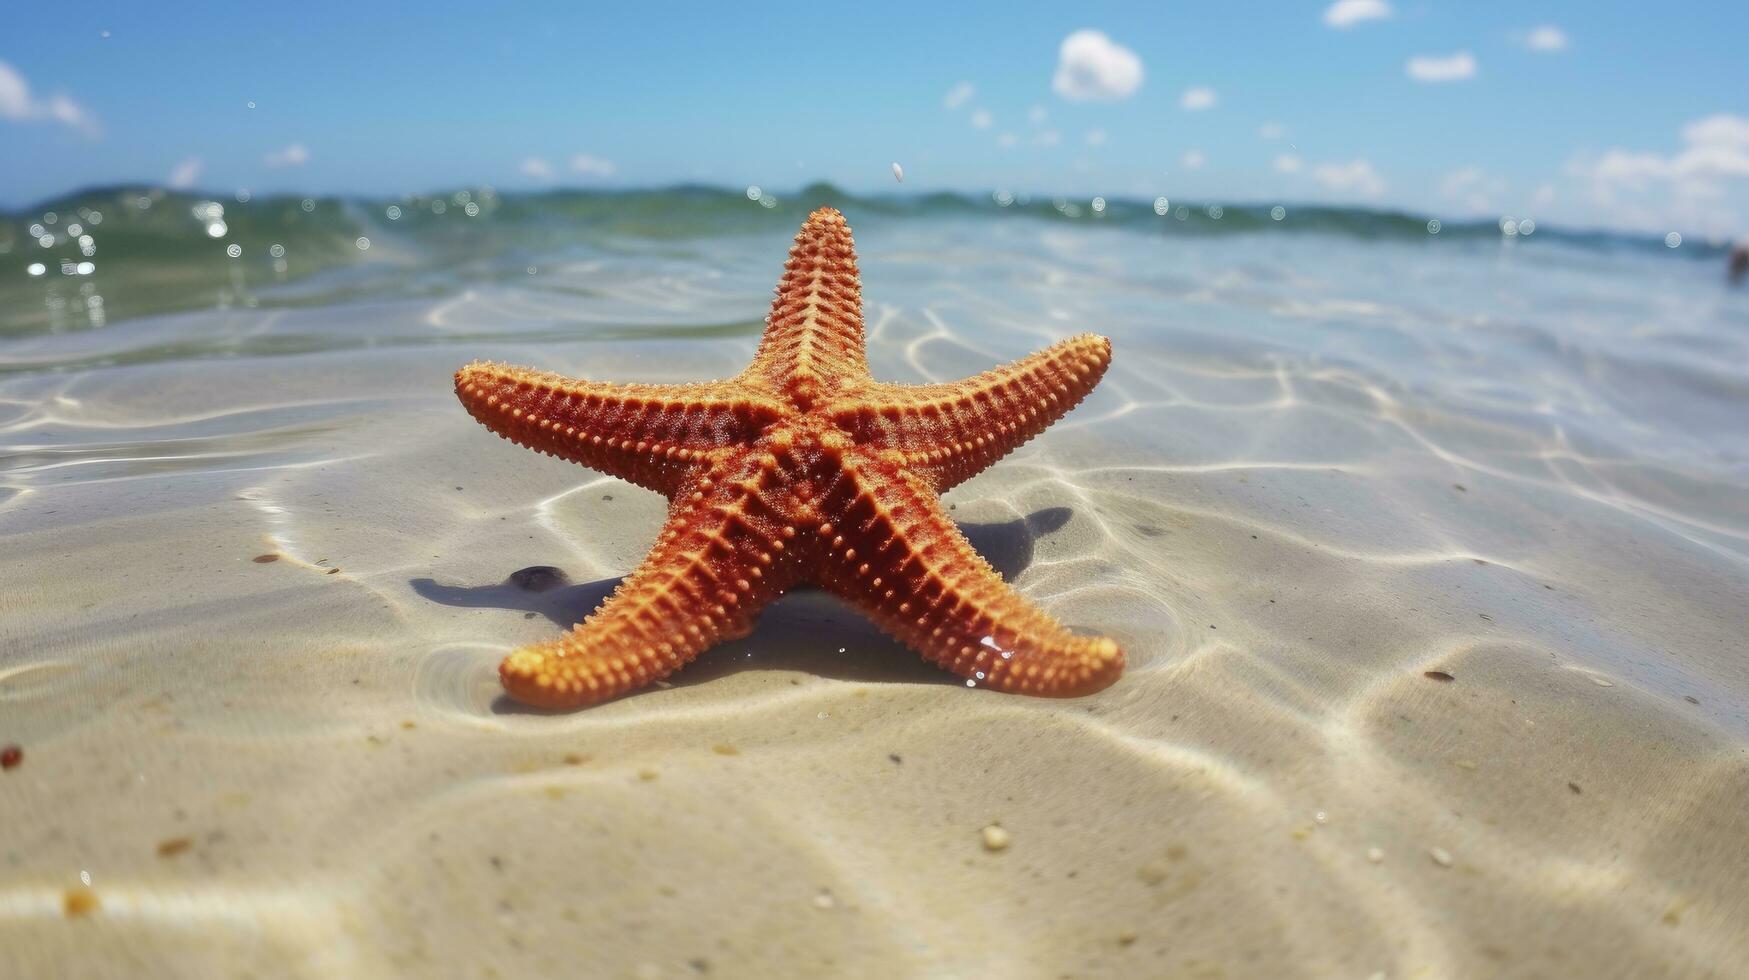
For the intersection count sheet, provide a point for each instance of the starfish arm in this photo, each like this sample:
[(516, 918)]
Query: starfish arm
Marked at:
[(813, 337), (901, 560), (951, 432), (719, 559), (647, 434)]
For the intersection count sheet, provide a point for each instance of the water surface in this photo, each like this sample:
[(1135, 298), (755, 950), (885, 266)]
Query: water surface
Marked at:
[(1334, 454)]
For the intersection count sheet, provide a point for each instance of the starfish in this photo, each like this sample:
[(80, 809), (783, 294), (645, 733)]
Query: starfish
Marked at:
[(800, 470)]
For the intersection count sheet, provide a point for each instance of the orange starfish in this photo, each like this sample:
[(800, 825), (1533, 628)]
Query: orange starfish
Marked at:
[(802, 469)]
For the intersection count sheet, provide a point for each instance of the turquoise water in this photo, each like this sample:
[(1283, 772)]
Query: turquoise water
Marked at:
[(149, 250)]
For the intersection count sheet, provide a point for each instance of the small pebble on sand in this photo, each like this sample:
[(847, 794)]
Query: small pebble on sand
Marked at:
[(1440, 856), (1375, 855), (647, 775), (996, 839), (1600, 682), (824, 900), (174, 846), (79, 902), (538, 578), (11, 756)]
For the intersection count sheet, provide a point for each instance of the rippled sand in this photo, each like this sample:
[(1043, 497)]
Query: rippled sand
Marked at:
[(1317, 472)]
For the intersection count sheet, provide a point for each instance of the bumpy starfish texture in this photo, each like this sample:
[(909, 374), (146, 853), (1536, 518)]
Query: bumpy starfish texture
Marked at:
[(802, 469)]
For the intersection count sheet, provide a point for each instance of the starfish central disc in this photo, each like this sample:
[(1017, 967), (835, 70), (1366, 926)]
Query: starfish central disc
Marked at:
[(802, 469)]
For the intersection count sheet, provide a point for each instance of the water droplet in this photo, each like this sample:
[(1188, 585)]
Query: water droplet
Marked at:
[(362, 243), (250, 103), (276, 250), (1673, 240), (234, 250), (1278, 212), (898, 172), (1161, 206), (754, 193), (394, 212), (1433, 226), (36, 268), (1099, 205)]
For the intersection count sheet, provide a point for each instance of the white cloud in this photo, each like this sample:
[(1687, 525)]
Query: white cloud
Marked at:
[(18, 105), (1096, 137), (1092, 67), (1355, 177), (1718, 130), (981, 119), (1271, 131), (1547, 38), (592, 166), (292, 156), (1287, 163), (958, 96), (184, 174), (1473, 189), (1344, 14), (1038, 114), (537, 168), (1451, 68), (1048, 137), (1718, 147), (1703, 186), (1197, 99), (1192, 160)]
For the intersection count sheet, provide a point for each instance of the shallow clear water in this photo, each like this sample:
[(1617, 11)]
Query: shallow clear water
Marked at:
[(1323, 464)]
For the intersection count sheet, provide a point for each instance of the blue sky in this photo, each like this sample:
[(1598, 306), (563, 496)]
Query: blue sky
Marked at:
[(1610, 113)]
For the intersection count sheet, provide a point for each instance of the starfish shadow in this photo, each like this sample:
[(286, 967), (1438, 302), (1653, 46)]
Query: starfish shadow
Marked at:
[(806, 630)]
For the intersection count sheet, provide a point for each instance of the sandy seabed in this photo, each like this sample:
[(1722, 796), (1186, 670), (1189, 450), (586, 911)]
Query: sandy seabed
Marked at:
[(1434, 601)]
